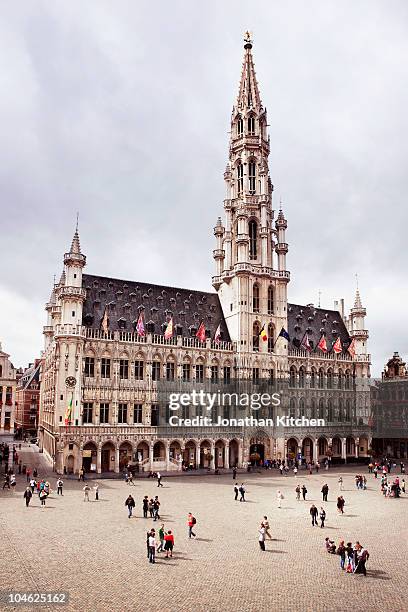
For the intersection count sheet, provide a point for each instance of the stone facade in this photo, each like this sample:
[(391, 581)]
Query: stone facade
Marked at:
[(28, 400), (101, 382), (8, 376)]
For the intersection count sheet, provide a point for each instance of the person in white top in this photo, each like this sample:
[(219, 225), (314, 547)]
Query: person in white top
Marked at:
[(261, 537), (279, 497), (341, 483), (152, 547)]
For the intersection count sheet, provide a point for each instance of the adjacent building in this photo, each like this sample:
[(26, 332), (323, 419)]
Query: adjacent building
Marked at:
[(28, 401), (8, 376), (104, 387)]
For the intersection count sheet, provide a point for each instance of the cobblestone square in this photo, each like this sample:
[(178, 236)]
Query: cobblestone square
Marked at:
[(93, 551)]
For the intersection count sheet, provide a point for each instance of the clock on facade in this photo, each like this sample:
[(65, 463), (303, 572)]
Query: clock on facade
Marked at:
[(70, 381)]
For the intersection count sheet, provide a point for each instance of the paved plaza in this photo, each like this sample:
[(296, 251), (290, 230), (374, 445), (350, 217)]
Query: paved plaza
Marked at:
[(97, 554)]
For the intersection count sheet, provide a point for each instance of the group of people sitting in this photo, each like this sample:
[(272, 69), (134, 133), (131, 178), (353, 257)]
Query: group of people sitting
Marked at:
[(353, 559)]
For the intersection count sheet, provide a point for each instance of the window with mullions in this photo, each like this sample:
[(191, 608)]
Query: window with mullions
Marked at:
[(105, 367), (156, 365), (240, 177), (214, 374), (240, 126), (89, 367), (139, 369), (123, 369), (138, 413), (155, 415), (252, 177), (104, 413), (255, 298), (186, 372), (227, 375), (122, 413), (252, 239), (251, 126), (170, 370), (199, 372), (87, 413), (270, 300)]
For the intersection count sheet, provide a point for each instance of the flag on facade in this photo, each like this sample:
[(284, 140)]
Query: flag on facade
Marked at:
[(352, 348), (306, 343), (263, 334), (68, 412), (217, 336), (105, 321), (169, 330), (284, 334), (322, 344), (201, 332), (337, 347), (140, 328)]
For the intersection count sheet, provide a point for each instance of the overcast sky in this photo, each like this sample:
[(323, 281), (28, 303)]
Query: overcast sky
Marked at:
[(121, 110)]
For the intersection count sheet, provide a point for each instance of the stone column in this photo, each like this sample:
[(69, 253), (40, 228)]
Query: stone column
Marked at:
[(356, 443), (240, 453), (80, 457), (315, 450), (99, 459), (167, 450), (212, 454), (344, 449), (117, 460), (226, 456), (182, 450), (198, 455), (151, 455)]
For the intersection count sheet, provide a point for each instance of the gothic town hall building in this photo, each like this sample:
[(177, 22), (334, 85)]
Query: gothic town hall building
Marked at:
[(110, 377)]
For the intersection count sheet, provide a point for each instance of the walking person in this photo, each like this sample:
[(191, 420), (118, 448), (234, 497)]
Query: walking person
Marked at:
[(341, 483), (362, 558), (33, 484), (279, 497), (152, 546), (151, 507), (145, 506), (261, 537), (340, 504), (295, 471), (298, 492), (322, 516), (86, 490), (159, 482), (191, 521), (27, 496), (161, 538), (169, 543), (43, 496), (81, 475), (304, 491), (96, 491), (156, 508), (130, 503), (234, 473), (28, 472), (341, 550), (325, 491), (236, 491), (242, 493), (60, 484), (266, 525), (313, 513)]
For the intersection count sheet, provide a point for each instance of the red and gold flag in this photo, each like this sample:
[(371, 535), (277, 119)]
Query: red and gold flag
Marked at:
[(337, 346), (169, 330), (322, 344), (201, 332), (352, 348)]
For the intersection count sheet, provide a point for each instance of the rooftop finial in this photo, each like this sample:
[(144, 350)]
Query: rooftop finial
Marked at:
[(356, 275), (248, 40), (77, 220)]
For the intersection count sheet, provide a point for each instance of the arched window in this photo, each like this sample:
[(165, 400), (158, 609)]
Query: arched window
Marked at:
[(348, 410), (348, 379), (255, 336), (302, 377), (292, 407), (329, 378), (252, 239), (321, 408), (255, 298), (321, 379), (293, 377), (240, 126), (240, 176), (251, 126), (313, 409), (270, 299), (330, 410), (301, 407), (340, 379), (341, 415), (313, 378), (271, 337), (252, 177)]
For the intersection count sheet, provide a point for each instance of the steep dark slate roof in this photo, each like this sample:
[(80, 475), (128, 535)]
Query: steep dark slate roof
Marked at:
[(315, 321), (125, 300)]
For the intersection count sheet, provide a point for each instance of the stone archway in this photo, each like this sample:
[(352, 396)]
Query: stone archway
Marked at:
[(108, 457), (89, 454), (322, 447), (307, 450), (336, 447), (70, 464), (142, 452), (189, 455), (233, 453), (219, 458), (205, 454), (292, 449), (125, 454)]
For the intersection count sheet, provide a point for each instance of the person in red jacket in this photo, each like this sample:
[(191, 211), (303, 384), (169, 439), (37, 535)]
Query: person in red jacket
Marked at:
[(169, 543), (191, 522)]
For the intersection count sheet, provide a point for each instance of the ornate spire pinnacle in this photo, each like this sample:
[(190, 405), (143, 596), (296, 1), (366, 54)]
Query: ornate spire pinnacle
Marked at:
[(248, 95), (357, 301), (62, 279)]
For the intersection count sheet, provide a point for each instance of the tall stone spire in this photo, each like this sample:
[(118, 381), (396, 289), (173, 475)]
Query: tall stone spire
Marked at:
[(248, 95), (357, 301)]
